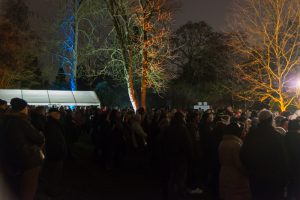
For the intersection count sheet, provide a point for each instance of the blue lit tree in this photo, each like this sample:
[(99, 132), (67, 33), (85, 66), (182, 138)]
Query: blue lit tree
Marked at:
[(69, 47), (80, 27)]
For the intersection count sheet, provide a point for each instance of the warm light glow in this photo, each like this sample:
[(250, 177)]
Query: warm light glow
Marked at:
[(298, 84), (266, 48)]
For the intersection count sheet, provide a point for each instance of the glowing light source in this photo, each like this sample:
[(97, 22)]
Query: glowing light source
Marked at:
[(298, 84)]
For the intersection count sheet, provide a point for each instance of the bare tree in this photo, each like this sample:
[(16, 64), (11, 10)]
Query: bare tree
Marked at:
[(18, 47), (80, 30), (153, 18), (123, 56), (142, 30), (266, 40)]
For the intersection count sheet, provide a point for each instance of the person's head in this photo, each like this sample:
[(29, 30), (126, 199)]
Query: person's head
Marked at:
[(294, 125), (178, 118), (235, 128), (115, 115), (193, 117), (286, 114), (19, 106), (243, 118), (3, 104), (281, 121), (229, 109), (238, 113), (265, 117), (54, 113), (137, 117), (141, 111), (253, 114), (40, 110), (225, 119), (207, 117)]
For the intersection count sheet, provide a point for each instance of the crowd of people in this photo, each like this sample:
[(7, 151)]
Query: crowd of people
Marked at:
[(232, 155)]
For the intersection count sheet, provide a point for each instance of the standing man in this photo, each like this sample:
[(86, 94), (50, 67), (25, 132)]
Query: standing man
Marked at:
[(21, 147), (56, 151), (3, 106), (264, 156), (176, 153)]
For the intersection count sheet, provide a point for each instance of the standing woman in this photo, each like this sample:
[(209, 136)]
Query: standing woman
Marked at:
[(233, 182)]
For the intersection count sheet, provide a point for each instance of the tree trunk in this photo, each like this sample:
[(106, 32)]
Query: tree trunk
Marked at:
[(144, 68), (75, 49), (130, 85), (144, 86)]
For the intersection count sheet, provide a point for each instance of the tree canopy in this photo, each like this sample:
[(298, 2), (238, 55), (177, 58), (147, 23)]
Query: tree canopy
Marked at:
[(265, 39), (18, 48)]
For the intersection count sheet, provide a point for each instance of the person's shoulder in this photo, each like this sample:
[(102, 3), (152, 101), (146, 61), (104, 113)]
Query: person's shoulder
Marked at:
[(51, 123), (277, 133), (252, 133), (17, 118), (180, 127), (292, 135)]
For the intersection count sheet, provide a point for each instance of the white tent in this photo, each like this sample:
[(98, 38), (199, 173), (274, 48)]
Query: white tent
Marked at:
[(52, 97)]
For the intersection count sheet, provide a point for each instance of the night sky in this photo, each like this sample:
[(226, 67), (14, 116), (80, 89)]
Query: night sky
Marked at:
[(212, 11)]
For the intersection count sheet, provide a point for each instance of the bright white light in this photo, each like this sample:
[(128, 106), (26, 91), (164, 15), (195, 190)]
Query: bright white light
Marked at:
[(298, 84)]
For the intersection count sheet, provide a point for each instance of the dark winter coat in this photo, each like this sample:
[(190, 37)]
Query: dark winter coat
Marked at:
[(56, 148), (292, 141), (233, 181), (211, 147), (177, 144), (2, 112), (264, 156), (205, 131), (38, 121), (21, 143), (176, 153), (195, 139), (2, 115)]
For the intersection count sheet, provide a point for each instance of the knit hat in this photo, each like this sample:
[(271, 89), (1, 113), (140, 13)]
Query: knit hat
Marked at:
[(18, 104), (264, 115), (2, 102)]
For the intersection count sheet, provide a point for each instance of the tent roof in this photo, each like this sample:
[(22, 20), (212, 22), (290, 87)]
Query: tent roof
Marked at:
[(52, 97)]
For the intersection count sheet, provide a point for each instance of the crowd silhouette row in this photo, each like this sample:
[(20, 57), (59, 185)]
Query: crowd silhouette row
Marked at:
[(230, 155)]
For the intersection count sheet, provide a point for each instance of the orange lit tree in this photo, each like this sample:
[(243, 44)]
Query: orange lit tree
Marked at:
[(142, 51), (266, 41), (153, 18)]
